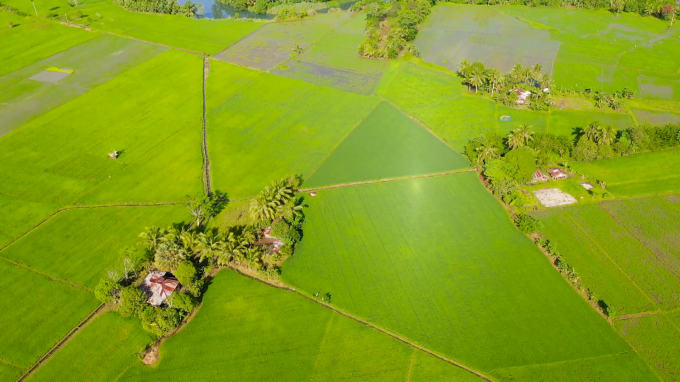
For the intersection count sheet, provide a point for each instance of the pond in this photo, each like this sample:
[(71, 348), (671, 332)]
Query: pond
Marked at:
[(215, 9)]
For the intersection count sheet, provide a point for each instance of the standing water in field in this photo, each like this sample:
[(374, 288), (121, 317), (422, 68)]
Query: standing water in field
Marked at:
[(215, 9)]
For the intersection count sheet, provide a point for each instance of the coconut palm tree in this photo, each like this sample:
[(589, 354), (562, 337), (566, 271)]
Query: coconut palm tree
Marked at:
[(190, 241), (606, 135), (210, 246), (486, 153), (463, 67), (592, 131), (496, 78), (514, 140), (151, 238), (525, 133), (477, 78)]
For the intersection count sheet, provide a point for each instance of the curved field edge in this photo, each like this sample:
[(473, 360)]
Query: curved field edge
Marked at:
[(430, 260), (245, 322)]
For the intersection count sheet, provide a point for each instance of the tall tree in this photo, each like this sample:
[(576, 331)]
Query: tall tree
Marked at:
[(606, 135), (592, 131)]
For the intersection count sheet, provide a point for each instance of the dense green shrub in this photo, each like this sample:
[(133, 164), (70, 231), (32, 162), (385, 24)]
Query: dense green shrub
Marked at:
[(132, 302), (186, 273), (527, 224), (107, 291), (522, 164)]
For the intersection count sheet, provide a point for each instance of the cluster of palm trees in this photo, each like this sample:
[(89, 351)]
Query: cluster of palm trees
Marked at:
[(172, 7), (171, 246), (614, 101), (520, 137), (602, 135), (278, 201), (479, 77)]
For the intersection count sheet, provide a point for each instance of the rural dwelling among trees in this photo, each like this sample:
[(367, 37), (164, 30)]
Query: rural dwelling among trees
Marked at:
[(557, 173), (158, 286), (539, 177)]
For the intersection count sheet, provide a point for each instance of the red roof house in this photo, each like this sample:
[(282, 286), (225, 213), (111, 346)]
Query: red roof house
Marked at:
[(539, 177), (558, 173), (158, 286)]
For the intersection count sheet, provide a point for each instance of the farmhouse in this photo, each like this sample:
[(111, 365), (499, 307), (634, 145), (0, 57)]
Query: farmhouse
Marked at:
[(539, 177), (273, 244), (522, 96), (587, 185), (158, 286), (557, 173)]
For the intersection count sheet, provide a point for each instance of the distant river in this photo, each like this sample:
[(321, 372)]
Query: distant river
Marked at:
[(215, 9)]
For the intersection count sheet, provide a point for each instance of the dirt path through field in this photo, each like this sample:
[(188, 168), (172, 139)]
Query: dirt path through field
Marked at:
[(207, 183)]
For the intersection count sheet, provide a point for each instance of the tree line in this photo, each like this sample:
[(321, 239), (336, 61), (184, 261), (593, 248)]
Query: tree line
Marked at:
[(170, 7), (662, 9), (508, 161), (391, 27), (192, 252), (502, 86)]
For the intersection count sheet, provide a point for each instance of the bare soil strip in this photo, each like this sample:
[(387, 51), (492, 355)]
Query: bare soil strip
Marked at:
[(60, 344), (207, 184), (388, 180)]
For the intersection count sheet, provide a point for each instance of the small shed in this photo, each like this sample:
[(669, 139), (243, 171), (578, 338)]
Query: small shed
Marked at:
[(522, 96), (158, 286), (557, 173), (539, 177), (587, 185)]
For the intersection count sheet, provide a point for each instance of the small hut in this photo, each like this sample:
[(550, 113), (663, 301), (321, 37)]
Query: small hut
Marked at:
[(158, 286)]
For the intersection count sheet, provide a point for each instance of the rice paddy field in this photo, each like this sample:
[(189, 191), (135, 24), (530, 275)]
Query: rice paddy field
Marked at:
[(582, 49), (429, 278), (274, 334), (438, 261), (636, 175), (626, 252), (386, 144), (79, 245), (274, 126)]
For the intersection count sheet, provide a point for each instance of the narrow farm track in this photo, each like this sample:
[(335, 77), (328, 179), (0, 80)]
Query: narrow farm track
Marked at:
[(387, 180), (644, 314), (373, 326), (46, 275), (61, 343), (207, 183)]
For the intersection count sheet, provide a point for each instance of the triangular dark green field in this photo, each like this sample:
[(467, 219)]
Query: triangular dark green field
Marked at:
[(387, 144)]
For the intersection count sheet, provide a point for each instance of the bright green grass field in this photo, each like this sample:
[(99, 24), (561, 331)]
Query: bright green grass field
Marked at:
[(9, 373), (198, 35), (80, 245), (94, 62), (656, 339), (274, 126), (248, 331), (612, 262), (438, 261), (101, 351), (152, 113), (387, 144), (36, 313), (32, 40), (563, 122), (635, 175)]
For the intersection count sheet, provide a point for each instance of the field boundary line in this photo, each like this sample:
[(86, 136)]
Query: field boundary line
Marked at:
[(207, 184), (424, 126), (410, 365), (565, 361), (387, 332), (102, 31), (606, 254), (61, 343), (53, 278), (94, 206), (433, 175), (644, 314), (323, 341), (343, 139), (637, 239), (2, 361)]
